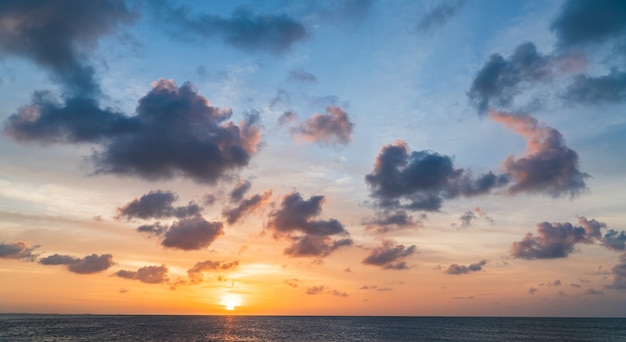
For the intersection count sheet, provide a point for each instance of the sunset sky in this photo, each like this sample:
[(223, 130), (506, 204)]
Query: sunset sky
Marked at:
[(289, 157)]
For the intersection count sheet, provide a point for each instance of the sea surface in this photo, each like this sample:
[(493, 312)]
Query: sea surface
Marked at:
[(27, 327)]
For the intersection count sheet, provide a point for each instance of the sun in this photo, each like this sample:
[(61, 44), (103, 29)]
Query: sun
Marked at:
[(231, 301)]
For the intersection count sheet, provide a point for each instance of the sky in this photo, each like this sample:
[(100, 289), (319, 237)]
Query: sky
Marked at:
[(355, 157)]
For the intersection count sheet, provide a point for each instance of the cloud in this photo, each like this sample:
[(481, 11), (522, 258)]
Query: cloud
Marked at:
[(334, 127), (438, 15), (594, 292), (175, 131), (389, 256), (286, 118), (462, 269), (246, 206), (146, 274), (582, 22), (619, 275), (297, 214), (58, 35), (18, 250), (301, 76), (314, 246), (338, 294), (532, 290), (293, 283), (498, 81), (294, 220), (548, 165), (180, 134), (87, 265), (387, 221), (195, 273), (422, 180), (192, 234), (243, 30), (71, 120), (157, 204), (597, 90), (314, 290), (558, 240), (239, 190)]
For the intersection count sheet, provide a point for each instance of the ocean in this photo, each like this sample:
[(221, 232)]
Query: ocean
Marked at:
[(32, 327)]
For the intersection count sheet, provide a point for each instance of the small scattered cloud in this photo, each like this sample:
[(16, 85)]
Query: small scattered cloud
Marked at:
[(532, 290), (390, 256), (387, 221), (462, 269), (195, 273), (333, 127), (240, 189), (146, 274), (246, 206), (90, 264), (314, 290), (301, 76), (18, 250), (466, 218), (157, 204), (192, 234), (438, 15)]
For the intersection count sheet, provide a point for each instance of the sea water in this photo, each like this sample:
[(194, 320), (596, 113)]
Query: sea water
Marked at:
[(27, 327)]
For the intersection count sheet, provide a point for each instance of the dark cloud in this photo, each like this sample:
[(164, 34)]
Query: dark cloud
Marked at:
[(548, 165), (438, 15), (246, 206), (334, 127), (558, 240), (180, 133), (18, 250), (594, 292), (462, 269), (615, 240), (192, 234), (89, 264), (598, 90), (299, 75), (315, 246), (239, 190), (146, 274), (154, 229), (619, 274), (58, 35), (581, 22), (157, 204), (389, 256), (176, 132), (532, 290), (243, 30), (422, 180), (297, 214), (387, 221), (498, 81), (294, 220), (71, 120), (195, 273)]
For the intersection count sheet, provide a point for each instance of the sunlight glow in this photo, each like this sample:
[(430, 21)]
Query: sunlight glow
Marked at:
[(231, 301)]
